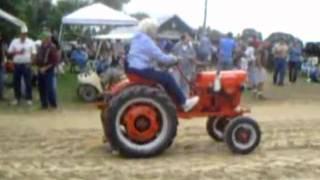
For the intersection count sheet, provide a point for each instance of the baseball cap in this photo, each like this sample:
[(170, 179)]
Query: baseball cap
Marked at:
[(24, 29), (45, 34)]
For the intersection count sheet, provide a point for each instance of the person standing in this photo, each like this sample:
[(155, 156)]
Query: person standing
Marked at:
[(251, 66), (280, 52), (187, 53), (2, 68), (80, 57), (294, 61), (118, 49), (23, 50), (46, 61), (261, 73), (227, 47), (204, 48)]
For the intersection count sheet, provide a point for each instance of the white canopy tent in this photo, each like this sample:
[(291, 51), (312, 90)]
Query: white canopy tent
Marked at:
[(97, 14), (124, 33)]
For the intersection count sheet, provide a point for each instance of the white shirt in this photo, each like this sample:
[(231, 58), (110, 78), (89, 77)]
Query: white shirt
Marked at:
[(244, 63), (27, 48), (249, 53)]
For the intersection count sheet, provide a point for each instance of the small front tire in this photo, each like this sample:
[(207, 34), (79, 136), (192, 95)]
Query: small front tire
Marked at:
[(215, 128), (242, 135)]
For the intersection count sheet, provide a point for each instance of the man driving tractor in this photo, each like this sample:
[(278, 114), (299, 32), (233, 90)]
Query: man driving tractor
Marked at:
[(142, 55), (139, 119)]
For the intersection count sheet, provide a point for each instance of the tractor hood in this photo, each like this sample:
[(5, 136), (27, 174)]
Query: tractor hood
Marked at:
[(229, 79)]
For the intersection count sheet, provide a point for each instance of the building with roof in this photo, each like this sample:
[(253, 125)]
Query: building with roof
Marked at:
[(172, 27)]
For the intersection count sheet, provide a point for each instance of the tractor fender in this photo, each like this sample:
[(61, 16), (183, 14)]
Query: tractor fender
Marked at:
[(125, 83)]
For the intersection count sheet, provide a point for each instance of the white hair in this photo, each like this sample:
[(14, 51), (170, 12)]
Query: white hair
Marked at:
[(149, 26)]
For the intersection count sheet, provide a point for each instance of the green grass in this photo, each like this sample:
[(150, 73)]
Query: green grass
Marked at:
[(67, 96), (67, 89)]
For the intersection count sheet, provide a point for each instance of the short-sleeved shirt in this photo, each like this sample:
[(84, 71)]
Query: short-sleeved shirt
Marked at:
[(280, 50), (226, 48), (295, 54), (28, 47)]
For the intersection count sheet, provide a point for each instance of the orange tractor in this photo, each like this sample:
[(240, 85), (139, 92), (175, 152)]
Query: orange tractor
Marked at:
[(141, 119)]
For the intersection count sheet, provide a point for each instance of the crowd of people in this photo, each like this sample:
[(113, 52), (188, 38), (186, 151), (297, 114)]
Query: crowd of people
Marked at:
[(30, 61), (226, 53), (251, 55)]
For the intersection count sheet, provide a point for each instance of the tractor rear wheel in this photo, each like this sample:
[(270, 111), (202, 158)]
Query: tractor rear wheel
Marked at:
[(242, 135), (216, 127), (141, 122)]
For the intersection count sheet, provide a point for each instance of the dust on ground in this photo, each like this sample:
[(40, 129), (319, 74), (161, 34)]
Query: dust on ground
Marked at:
[(67, 144)]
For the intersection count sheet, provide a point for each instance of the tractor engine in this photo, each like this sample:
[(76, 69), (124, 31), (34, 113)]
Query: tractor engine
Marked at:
[(228, 98)]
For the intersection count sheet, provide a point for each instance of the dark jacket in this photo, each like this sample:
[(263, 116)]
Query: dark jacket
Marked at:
[(47, 55), (2, 52)]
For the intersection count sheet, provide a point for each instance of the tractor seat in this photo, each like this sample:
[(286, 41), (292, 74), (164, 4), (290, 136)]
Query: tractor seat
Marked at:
[(139, 80)]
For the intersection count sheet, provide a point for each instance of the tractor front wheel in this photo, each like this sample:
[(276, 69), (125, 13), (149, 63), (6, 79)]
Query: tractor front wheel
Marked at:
[(141, 122), (216, 127), (242, 135)]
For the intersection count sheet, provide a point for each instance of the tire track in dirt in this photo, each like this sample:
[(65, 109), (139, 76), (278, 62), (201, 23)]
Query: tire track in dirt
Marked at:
[(289, 150)]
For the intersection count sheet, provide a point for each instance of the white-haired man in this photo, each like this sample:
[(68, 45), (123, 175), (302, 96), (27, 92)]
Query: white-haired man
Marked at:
[(23, 50), (143, 51)]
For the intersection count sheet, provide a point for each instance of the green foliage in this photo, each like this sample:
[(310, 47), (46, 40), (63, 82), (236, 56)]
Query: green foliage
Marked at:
[(42, 13), (140, 15), (116, 4)]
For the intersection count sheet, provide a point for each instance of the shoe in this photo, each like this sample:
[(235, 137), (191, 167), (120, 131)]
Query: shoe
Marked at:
[(190, 103), (29, 103), (14, 102)]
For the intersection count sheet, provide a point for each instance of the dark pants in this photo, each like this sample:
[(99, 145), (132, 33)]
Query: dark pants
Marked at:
[(293, 71), (47, 90), (279, 71), (314, 76), (163, 78), (22, 71)]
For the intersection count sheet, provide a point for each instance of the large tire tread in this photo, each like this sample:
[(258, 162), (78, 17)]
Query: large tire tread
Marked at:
[(127, 94)]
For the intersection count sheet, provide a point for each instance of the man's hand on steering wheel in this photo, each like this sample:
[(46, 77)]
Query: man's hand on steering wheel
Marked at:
[(175, 61)]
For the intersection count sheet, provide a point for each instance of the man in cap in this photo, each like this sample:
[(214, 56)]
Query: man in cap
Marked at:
[(23, 50), (46, 61)]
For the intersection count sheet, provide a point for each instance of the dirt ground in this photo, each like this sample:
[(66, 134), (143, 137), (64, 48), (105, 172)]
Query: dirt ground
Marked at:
[(66, 144)]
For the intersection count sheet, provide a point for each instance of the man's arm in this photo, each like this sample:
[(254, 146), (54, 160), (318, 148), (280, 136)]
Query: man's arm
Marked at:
[(11, 49), (52, 59), (157, 54), (33, 52)]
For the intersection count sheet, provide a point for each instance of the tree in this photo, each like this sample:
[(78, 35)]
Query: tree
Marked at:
[(13, 7), (38, 14), (140, 15), (116, 4)]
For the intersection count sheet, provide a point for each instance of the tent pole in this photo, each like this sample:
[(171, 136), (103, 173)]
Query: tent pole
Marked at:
[(60, 33), (99, 49)]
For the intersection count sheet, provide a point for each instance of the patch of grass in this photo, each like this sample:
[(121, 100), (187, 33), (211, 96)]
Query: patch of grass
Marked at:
[(67, 89), (67, 96)]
